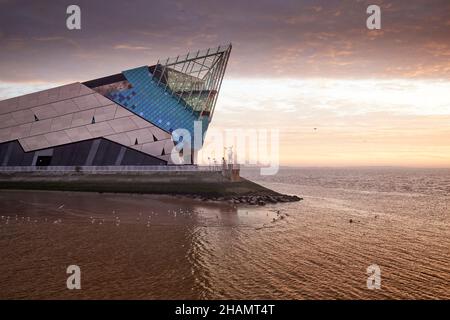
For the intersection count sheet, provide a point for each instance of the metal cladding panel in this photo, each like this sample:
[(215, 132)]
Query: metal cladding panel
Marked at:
[(69, 91), (159, 134), (121, 138), (103, 101), (141, 123), (9, 105), (43, 97), (20, 131), (5, 135), (123, 112), (31, 100), (100, 129), (17, 156), (82, 118), (34, 143), (39, 121), (156, 147), (141, 136), (132, 157), (42, 126), (65, 107), (79, 133), (123, 124), (44, 112), (63, 122), (23, 116), (105, 113), (86, 102), (57, 138), (7, 120)]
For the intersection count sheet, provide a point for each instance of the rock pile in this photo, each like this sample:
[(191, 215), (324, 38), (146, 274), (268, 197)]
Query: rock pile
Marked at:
[(259, 200)]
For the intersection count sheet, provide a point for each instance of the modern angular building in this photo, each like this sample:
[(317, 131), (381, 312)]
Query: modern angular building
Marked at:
[(122, 119)]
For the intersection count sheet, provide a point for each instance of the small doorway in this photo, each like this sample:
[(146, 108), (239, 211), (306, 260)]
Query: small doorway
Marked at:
[(43, 161)]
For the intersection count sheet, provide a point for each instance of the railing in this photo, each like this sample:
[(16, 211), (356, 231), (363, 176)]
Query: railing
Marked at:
[(110, 169)]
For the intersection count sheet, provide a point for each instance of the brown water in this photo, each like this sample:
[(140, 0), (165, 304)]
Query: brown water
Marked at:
[(401, 222)]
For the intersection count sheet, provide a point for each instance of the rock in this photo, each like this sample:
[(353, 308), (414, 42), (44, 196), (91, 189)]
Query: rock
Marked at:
[(271, 200)]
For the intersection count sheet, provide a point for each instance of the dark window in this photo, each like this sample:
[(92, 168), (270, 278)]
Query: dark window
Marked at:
[(43, 161)]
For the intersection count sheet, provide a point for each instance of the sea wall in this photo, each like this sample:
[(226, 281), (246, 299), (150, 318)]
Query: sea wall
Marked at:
[(199, 185)]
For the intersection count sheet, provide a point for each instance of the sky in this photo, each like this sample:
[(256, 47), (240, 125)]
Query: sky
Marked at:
[(338, 93)]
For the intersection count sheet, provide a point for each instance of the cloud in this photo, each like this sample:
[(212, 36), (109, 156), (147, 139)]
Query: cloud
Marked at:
[(359, 122), (130, 47), (292, 39)]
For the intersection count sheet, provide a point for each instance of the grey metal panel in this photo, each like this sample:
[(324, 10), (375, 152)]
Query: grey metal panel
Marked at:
[(20, 131), (34, 143), (122, 124), (122, 112), (100, 129), (69, 91), (106, 154), (44, 111), (71, 154), (92, 152), (17, 155), (141, 135), (5, 135), (62, 122), (62, 155), (78, 134), (57, 138), (120, 156), (82, 118), (86, 102), (65, 106), (105, 113), (133, 157), (120, 138), (140, 123), (3, 149), (23, 116), (9, 105), (40, 127), (27, 158), (8, 150), (77, 153), (80, 152), (7, 120)]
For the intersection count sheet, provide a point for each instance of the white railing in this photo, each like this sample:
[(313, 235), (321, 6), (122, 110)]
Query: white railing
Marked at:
[(99, 169)]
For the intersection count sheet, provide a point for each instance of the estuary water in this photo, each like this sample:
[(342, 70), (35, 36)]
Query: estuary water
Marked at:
[(161, 247)]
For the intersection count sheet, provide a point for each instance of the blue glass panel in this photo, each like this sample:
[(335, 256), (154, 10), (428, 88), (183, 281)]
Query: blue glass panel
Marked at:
[(150, 100)]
